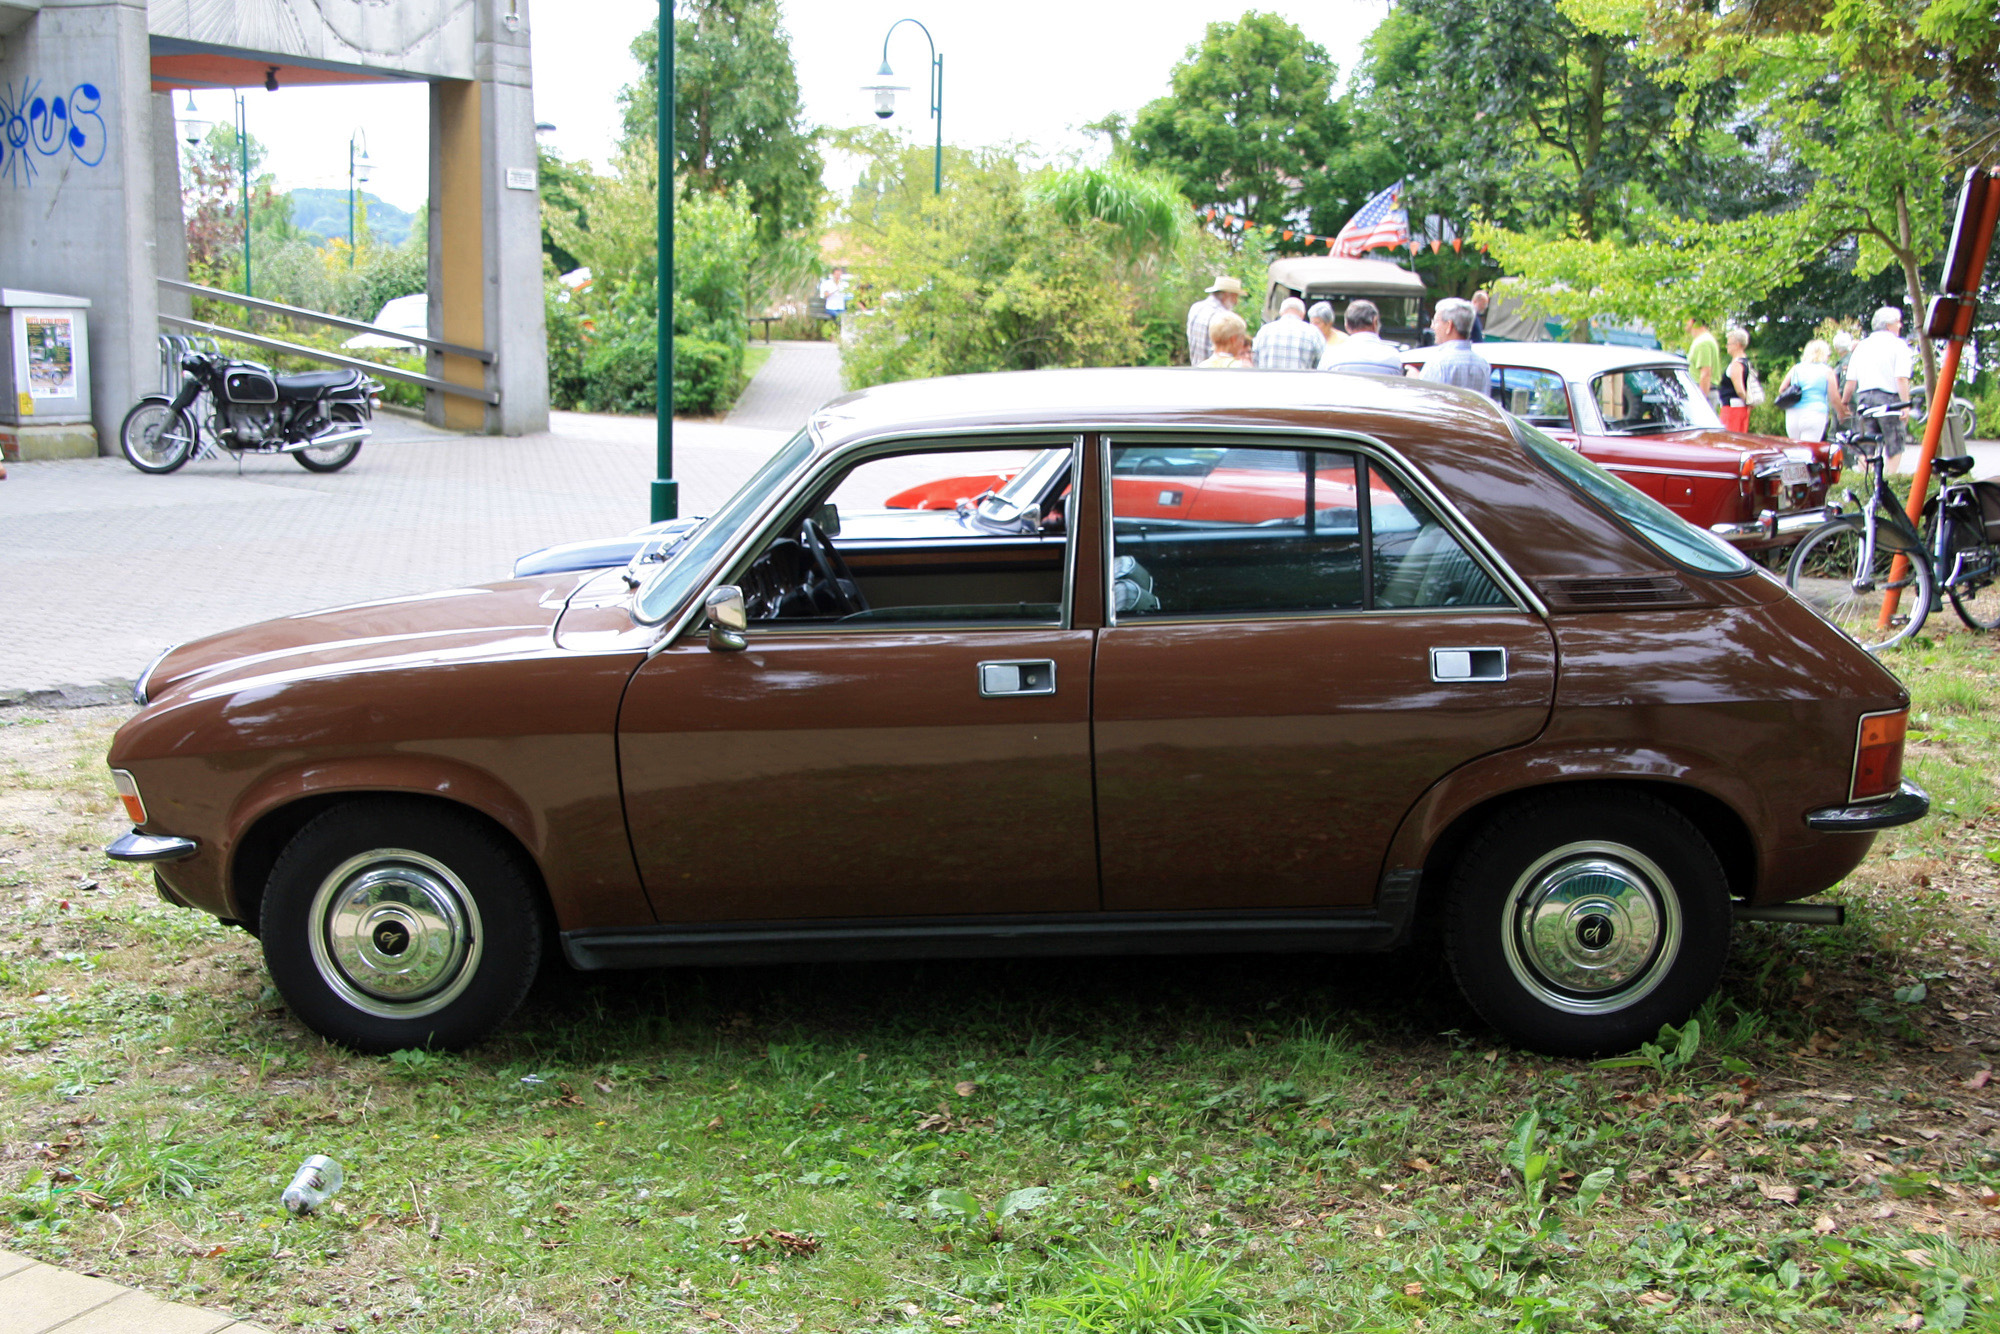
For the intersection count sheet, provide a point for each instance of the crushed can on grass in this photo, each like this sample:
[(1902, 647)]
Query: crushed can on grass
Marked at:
[(313, 1184)]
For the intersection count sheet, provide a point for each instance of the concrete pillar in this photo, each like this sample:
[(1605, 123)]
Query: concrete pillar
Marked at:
[(76, 199), (486, 231), (169, 223)]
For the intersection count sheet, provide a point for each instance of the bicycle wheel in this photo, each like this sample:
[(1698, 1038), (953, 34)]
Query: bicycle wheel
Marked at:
[(1825, 569), (155, 438), (1976, 597)]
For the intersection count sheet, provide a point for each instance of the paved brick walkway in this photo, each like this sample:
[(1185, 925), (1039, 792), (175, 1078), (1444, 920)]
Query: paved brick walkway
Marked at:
[(797, 379), (102, 566), (40, 1299)]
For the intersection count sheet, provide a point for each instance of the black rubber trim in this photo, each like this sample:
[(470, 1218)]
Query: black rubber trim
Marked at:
[(1910, 804), (1335, 931), (138, 847)]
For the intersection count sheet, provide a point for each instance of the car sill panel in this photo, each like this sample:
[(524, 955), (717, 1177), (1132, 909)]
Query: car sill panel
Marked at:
[(1346, 931)]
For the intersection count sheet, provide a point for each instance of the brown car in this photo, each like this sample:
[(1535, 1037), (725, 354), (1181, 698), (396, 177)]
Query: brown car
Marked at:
[(1465, 684)]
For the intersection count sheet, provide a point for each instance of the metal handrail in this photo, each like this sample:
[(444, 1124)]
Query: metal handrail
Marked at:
[(256, 303), (299, 349)]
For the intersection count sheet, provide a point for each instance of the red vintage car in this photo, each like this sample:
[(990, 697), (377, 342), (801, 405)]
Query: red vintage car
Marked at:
[(1639, 413)]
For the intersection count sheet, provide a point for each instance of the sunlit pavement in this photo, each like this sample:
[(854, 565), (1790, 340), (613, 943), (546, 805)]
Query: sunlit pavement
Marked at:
[(102, 566)]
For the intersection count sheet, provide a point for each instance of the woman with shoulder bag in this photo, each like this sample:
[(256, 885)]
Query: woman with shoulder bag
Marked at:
[(1807, 393)]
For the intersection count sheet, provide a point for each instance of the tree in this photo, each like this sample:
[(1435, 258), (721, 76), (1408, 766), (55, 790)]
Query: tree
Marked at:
[(738, 120), (1251, 119)]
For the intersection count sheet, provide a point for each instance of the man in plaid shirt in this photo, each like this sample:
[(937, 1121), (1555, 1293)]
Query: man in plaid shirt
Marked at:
[(1288, 343), (1223, 294)]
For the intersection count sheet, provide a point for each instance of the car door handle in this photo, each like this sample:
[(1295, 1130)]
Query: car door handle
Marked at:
[(1468, 664), (1017, 678)]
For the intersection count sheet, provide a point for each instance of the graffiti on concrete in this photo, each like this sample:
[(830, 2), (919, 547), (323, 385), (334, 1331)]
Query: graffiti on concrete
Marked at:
[(35, 127)]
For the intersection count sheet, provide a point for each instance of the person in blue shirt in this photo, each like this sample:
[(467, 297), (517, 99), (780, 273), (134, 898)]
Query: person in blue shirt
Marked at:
[(1819, 399), (1457, 363)]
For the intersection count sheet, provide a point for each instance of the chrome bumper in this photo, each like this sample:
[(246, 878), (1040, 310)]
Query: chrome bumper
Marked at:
[(1770, 523), (138, 847), (1912, 803)]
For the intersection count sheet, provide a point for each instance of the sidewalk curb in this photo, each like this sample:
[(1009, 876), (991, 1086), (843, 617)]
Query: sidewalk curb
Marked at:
[(116, 690)]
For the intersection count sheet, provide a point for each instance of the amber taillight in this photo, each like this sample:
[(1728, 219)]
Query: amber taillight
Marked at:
[(128, 792), (1878, 754)]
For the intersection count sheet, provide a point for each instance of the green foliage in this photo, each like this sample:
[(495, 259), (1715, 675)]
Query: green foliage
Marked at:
[(602, 350), (1150, 1290), (738, 121), (1144, 208), (1251, 118)]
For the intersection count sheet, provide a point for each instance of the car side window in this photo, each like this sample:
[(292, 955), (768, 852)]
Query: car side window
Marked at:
[(930, 536), (1279, 531), (1535, 396)]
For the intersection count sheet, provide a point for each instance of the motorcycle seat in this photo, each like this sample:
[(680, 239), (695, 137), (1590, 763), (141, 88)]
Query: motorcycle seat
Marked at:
[(311, 384)]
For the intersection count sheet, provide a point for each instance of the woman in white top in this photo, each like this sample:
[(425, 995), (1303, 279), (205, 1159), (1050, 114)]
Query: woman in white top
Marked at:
[(1807, 419)]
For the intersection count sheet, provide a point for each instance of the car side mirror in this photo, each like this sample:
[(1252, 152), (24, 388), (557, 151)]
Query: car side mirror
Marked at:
[(727, 620), (827, 516)]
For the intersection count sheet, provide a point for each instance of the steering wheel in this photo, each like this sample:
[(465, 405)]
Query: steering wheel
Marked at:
[(831, 580)]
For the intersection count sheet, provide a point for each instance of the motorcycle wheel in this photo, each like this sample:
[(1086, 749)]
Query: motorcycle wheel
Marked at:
[(332, 458), (155, 438)]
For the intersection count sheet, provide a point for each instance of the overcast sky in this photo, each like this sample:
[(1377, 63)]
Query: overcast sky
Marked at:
[(1029, 70)]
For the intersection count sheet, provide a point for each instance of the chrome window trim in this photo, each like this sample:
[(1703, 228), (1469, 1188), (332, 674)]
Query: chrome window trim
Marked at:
[(734, 557), (1368, 447), (1661, 472)]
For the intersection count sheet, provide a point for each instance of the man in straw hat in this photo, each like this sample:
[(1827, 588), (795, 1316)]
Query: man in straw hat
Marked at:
[(1223, 294)]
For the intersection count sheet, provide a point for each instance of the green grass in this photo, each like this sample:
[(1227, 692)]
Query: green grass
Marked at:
[(1224, 1144)]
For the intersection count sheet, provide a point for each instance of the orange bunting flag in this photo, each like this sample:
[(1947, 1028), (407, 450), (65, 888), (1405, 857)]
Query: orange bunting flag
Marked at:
[(1436, 246), (1457, 244), (1286, 235)]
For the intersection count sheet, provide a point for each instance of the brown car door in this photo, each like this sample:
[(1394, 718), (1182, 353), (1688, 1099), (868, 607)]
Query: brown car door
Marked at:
[(1274, 696), (926, 754)]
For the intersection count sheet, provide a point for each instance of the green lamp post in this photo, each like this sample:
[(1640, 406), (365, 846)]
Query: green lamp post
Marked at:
[(666, 491)]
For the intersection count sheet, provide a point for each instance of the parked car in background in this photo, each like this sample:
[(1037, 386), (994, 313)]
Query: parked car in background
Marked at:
[(1639, 413), (1397, 293), (403, 314), (1444, 674)]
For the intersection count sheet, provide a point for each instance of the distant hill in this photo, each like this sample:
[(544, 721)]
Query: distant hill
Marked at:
[(324, 213)]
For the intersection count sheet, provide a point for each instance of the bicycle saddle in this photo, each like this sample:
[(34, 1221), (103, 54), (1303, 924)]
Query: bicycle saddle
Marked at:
[(1957, 467)]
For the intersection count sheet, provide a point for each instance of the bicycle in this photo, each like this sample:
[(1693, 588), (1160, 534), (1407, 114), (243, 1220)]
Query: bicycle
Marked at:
[(1846, 566)]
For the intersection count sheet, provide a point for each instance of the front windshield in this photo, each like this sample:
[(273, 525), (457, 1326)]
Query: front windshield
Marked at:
[(1646, 399), (675, 580)]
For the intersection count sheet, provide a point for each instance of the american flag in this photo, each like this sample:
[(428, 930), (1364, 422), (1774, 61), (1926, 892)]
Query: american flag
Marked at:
[(1381, 222)]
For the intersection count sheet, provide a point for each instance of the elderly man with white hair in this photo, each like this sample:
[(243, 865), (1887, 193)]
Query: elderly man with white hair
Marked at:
[(1879, 372), (1288, 343), (1456, 362)]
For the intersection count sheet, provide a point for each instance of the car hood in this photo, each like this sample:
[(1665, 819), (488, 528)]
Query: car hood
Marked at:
[(455, 625)]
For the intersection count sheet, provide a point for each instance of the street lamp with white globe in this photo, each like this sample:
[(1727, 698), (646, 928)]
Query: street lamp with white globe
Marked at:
[(885, 95)]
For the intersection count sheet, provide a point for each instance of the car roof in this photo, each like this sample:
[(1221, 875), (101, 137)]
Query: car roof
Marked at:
[(1572, 361), (1347, 274), (1153, 398)]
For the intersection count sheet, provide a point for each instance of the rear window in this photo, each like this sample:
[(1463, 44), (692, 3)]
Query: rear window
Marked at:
[(1657, 525)]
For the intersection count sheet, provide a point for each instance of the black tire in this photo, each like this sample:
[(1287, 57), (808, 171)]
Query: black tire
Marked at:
[(1578, 923), (389, 924), (155, 438), (1823, 571), (332, 458)]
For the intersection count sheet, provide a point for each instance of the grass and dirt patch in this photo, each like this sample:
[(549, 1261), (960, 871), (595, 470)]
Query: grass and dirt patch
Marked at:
[(1232, 1144)]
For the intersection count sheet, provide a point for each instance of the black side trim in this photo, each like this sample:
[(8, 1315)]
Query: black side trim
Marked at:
[(1336, 932), (1912, 803)]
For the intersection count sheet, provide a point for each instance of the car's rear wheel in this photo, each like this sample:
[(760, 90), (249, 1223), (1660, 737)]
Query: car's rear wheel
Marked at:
[(1578, 924), (389, 924)]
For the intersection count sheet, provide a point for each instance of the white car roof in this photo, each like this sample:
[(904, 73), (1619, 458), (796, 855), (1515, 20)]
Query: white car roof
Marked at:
[(1572, 361)]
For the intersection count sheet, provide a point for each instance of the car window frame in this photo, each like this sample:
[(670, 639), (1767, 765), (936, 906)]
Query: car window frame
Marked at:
[(856, 453), (1500, 370), (1378, 454)]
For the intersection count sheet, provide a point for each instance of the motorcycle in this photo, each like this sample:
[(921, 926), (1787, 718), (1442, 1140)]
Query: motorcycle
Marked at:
[(320, 418)]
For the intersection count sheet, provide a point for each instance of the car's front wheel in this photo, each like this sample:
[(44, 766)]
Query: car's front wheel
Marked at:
[(1578, 924), (389, 924)]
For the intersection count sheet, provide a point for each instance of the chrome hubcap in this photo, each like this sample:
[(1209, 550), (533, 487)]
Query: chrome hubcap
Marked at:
[(395, 933), (1592, 927)]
